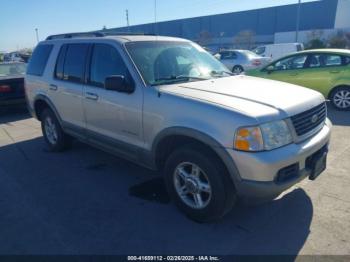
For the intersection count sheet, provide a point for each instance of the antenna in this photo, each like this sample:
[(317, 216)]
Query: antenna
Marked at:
[(127, 19)]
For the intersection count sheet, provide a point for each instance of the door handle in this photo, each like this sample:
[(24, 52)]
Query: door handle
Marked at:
[(91, 96), (53, 87)]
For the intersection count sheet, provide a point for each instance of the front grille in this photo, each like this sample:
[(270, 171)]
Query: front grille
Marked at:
[(307, 121)]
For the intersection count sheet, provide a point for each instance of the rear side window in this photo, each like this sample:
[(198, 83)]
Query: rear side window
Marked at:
[(299, 47), (39, 59), (60, 62), (325, 60), (74, 62)]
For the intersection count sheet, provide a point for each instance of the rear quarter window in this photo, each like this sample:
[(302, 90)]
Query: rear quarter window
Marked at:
[(39, 59)]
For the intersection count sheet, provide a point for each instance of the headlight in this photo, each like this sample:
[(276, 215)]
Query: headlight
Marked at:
[(264, 137)]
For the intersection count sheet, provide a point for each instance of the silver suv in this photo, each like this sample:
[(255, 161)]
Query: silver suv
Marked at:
[(166, 104)]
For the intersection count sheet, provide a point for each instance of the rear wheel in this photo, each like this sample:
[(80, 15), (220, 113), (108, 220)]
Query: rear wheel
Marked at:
[(237, 69), (340, 98), (199, 184), (53, 134)]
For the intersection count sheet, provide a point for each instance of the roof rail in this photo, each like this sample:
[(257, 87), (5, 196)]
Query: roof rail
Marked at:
[(126, 33), (72, 35)]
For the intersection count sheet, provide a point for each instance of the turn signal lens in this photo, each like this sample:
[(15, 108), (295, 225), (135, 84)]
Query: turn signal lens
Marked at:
[(249, 139)]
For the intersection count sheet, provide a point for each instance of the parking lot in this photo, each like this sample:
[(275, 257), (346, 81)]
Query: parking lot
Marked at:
[(85, 201)]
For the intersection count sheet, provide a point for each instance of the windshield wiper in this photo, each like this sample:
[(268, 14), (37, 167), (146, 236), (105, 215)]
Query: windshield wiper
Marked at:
[(220, 73), (178, 78)]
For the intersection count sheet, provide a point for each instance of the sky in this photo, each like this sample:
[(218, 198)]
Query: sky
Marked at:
[(19, 18)]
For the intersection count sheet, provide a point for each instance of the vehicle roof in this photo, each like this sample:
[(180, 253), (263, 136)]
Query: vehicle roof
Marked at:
[(235, 50), (120, 38), (12, 62), (327, 50)]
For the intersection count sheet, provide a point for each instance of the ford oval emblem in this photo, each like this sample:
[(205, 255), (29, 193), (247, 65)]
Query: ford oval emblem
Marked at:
[(314, 119)]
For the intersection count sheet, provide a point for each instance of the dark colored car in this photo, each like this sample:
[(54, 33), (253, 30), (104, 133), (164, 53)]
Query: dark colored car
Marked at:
[(12, 83)]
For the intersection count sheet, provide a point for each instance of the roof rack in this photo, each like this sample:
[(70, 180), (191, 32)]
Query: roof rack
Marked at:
[(72, 35), (93, 34), (126, 33)]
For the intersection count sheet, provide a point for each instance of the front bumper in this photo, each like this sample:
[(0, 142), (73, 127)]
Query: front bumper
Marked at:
[(259, 171)]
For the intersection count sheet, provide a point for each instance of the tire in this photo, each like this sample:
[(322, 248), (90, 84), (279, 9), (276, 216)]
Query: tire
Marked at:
[(340, 98), (222, 194), (237, 69), (54, 136)]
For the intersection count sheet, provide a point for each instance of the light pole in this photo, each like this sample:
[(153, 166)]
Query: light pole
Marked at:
[(155, 17), (297, 22), (127, 19), (37, 34)]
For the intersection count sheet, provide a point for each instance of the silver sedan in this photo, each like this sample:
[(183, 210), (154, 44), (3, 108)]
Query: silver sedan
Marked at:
[(240, 60)]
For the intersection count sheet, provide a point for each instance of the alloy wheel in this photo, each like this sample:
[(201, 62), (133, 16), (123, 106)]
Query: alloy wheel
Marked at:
[(192, 185)]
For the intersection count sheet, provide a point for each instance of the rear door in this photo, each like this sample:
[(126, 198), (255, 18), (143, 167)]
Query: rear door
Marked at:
[(66, 88), (321, 71)]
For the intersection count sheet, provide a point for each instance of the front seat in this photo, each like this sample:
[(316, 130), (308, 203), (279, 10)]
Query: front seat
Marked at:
[(165, 65)]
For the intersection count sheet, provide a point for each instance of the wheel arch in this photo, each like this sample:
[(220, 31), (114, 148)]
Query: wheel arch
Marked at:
[(333, 89), (172, 138), (42, 102)]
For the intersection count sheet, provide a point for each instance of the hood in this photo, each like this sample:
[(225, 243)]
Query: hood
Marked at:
[(257, 97)]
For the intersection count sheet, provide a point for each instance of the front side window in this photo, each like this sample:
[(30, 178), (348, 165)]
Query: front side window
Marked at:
[(39, 59), (74, 64), (290, 63), (163, 62), (228, 55), (105, 61), (324, 60)]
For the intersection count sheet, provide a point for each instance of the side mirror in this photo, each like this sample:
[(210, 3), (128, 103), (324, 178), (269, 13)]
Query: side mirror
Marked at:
[(270, 69), (118, 83)]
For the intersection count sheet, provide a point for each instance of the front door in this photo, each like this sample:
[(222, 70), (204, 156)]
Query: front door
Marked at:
[(112, 117), (288, 69)]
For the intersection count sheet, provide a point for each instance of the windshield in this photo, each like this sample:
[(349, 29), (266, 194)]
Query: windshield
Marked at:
[(172, 62), (13, 69)]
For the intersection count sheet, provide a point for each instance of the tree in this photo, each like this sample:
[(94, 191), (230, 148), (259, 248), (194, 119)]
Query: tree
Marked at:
[(339, 40), (315, 44), (204, 38), (245, 39), (315, 40)]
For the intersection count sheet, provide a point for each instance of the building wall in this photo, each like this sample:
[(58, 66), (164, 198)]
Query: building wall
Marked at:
[(265, 23), (342, 19)]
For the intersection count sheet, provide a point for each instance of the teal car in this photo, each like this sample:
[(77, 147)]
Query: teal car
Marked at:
[(324, 70)]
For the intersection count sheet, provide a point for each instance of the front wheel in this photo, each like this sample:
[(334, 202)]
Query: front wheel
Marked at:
[(199, 184), (340, 98)]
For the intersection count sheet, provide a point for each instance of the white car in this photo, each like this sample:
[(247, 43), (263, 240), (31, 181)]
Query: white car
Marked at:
[(275, 51)]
